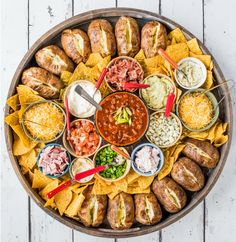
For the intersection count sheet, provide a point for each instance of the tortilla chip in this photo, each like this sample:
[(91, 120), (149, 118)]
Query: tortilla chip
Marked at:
[(12, 119), (27, 95), (50, 203), (19, 148), (194, 47), (154, 62), (209, 80), (49, 187), (31, 175), (137, 190), (28, 160), (102, 64), (221, 140), (94, 59), (75, 205), (101, 188), (178, 51), (113, 194), (63, 199), (132, 176), (79, 190), (13, 102), (140, 57), (177, 36), (145, 182), (177, 150), (166, 169), (65, 77), (40, 180), (21, 134), (206, 59)]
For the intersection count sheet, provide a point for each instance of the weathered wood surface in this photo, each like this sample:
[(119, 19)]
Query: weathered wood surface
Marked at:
[(23, 22)]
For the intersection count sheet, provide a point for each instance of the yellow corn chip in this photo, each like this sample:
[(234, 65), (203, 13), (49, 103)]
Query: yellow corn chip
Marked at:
[(21, 134), (49, 187), (19, 148), (40, 180), (145, 182), (140, 56), (194, 47), (12, 119), (209, 80), (75, 205), (65, 77), (178, 51), (206, 59), (28, 160), (13, 102), (166, 169), (132, 176), (63, 199), (221, 140), (177, 35), (94, 59), (27, 95), (50, 203)]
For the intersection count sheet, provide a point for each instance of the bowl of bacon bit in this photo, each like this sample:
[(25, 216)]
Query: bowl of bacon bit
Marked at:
[(83, 140), (53, 160), (121, 71)]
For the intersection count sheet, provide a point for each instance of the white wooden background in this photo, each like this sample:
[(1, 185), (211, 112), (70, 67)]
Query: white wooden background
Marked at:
[(22, 22)]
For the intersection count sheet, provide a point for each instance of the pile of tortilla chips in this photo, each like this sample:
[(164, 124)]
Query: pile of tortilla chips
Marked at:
[(69, 201)]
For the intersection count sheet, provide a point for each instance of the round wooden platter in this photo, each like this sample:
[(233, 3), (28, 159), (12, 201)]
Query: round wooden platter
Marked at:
[(82, 21)]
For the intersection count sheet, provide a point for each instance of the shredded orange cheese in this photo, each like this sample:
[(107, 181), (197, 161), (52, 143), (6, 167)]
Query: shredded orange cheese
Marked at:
[(44, 121), (196, 110)]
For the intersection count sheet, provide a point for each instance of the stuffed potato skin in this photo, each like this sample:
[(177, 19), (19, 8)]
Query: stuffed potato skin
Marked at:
[(43, 82), (120, 213), (153, 37), (102, 38), (169, 194), (127, 36), (76, 44), (202, 152), (93, 209), (147, 208), (54, 59), (188, 174)]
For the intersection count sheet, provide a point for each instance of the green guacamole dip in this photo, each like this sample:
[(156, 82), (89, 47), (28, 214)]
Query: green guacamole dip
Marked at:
[(156, 95)]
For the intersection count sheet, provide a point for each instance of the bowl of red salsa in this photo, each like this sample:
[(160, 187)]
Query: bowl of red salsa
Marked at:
[(121, 70), (123, 120)]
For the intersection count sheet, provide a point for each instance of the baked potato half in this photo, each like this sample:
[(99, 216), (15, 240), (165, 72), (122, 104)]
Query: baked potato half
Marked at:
[(147, 208), (102, 38), (188, 174), (93, 208), (202, 152), (43, 82), (76, 44), (169, 194), (127, 36), (54, 59), (153, 37), (120, 213)]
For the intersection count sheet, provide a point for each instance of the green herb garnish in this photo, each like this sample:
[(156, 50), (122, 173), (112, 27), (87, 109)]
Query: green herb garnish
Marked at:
[(123, 115)]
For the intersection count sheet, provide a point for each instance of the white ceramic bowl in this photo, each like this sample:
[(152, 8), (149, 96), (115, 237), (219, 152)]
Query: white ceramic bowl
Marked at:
[(204, 70)]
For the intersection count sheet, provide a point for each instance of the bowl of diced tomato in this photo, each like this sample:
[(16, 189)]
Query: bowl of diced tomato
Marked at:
[(83, 140)]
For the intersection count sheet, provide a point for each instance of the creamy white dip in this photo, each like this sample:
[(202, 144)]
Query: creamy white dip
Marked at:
[(78, 106)]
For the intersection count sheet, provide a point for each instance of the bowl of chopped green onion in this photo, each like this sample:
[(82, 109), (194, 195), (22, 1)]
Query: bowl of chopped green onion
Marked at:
[(118, 166)]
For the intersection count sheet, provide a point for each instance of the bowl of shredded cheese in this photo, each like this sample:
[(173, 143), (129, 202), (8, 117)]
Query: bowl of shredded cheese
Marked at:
[(44, 121), (198, 109)]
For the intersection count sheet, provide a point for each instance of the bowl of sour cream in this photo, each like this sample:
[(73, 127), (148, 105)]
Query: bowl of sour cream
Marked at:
[(78, 106), (194, 70)]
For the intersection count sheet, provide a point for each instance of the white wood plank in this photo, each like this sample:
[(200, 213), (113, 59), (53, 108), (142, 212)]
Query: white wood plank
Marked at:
[(45, 14), (220, 37), (185, 12), (189, 14), (153, 6), (148, 5), (81, 6), (14, 221)]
